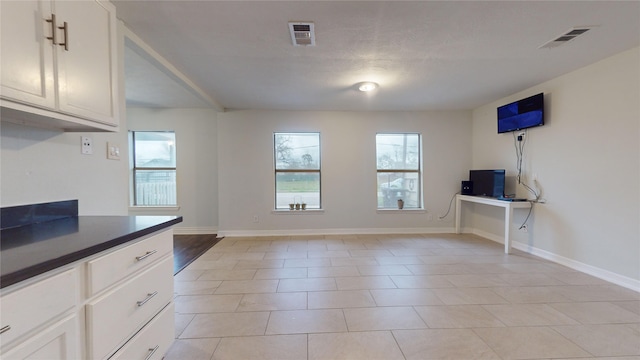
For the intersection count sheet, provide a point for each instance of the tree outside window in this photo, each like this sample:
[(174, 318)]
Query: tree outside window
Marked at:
[(297, 169)]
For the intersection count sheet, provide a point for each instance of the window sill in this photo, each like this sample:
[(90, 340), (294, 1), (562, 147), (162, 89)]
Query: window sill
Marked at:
[(398, 211), (153, 208), (298, 212)]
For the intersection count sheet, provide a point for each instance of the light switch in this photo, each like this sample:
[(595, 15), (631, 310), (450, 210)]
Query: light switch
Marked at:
[(113, 151)]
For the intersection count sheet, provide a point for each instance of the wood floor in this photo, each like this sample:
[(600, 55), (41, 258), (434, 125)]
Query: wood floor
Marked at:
[(187, 248)]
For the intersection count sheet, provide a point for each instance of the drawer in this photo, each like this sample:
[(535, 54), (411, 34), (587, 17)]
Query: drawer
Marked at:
[(111, 268), (26, 309), (153, 341), (118, 314)]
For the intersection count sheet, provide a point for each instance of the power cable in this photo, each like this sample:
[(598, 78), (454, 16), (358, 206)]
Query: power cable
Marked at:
[(449, 209)]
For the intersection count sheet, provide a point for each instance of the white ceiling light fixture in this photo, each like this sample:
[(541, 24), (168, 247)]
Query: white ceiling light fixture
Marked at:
[(367, 86), (302, 33)]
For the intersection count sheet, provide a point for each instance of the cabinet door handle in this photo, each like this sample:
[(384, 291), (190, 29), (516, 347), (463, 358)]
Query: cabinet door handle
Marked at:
[(4, 329), (65, 28), (151, 352), (53, 29), (149, 297), (148, 253)]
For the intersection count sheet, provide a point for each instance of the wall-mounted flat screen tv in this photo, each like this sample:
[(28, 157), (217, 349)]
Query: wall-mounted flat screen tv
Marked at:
[(521, 114), (488, 182)]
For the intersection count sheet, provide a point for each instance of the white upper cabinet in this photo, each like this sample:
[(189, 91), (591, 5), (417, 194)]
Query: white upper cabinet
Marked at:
[(86, 76), (59, 61), (27, 56)]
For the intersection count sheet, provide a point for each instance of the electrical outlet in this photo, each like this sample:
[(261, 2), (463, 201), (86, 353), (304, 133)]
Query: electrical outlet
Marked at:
[(113, 151), (429, 217), (256, 218), (524, 228), (86, 145)]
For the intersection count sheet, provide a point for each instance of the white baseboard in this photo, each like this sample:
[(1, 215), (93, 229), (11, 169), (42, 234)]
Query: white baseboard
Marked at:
[(301, 232), (194, 230), (606, 275), (603, 274)]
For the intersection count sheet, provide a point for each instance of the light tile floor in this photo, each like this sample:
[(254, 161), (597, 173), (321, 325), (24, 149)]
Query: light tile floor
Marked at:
[(395, 297)]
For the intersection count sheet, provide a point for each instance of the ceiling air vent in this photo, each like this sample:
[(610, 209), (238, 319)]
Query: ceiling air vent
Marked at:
[(302, 33), (566, 37)]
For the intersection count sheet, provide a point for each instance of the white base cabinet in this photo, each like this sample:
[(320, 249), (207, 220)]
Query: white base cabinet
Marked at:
[(153, 341), (59, 341), (59, 64), (37, 304), (116, 304), (119, 314)]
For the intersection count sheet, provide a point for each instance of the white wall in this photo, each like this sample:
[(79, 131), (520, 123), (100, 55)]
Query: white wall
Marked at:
[(587, 161), (246, 178), (40, 165), (196, 151)]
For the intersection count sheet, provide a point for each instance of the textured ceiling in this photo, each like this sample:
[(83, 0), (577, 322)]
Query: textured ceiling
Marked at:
[(426, 55)]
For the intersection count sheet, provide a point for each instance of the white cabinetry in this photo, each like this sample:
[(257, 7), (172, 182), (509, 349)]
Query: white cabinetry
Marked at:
[(35, 311), (121, 312), (117, 304), (27, 56), (58, 341), (128, 289), (59, 64), (112, 268), (152, 342)]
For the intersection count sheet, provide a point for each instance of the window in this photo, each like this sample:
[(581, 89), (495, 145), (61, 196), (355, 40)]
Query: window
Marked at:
[(399, 175), (154, 168), (297, 170)]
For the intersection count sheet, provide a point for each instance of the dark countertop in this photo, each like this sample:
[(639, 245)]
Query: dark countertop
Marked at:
[(31, 250)]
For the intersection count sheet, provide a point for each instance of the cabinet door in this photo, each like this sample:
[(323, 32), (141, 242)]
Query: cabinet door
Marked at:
[(87, 69), (24, 310), (26, 63), (59, 341)]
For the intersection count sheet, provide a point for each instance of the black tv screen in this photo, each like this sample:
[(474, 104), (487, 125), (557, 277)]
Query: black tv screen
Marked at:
[(521, 114), (488, 182)]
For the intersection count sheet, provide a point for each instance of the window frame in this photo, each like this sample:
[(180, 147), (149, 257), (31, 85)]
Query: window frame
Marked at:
[(135, 168), (418, 171), (277, 171)]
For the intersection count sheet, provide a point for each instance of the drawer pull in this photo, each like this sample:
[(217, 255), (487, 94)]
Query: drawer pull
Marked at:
[(5, 329), (53, 29), (149, 297), (151, 352), (65, 28), (149, 253)]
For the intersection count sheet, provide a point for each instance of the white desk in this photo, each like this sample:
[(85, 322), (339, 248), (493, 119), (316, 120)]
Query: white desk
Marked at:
[(508, 213)]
